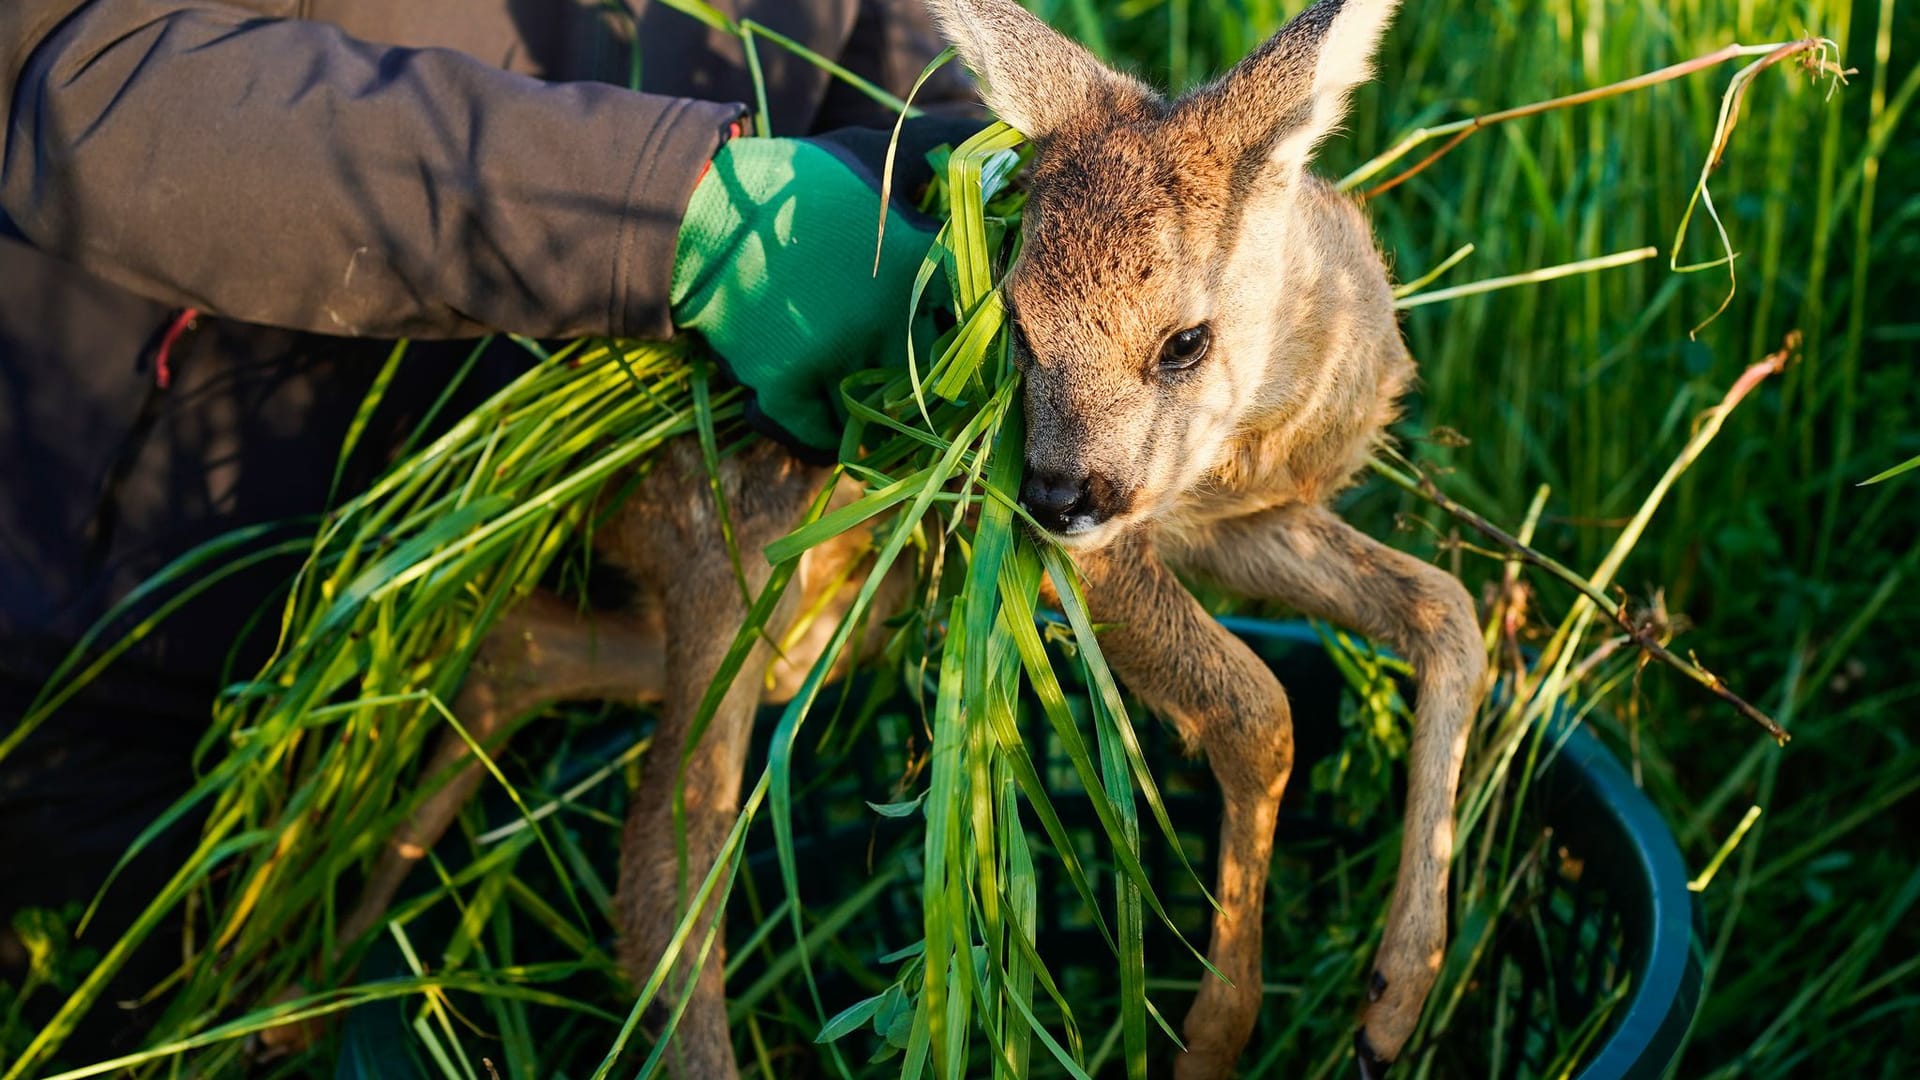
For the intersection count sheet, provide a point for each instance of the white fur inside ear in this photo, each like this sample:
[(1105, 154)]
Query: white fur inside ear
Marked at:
[(1345, 61), (1032, 77), (980, 46), (994, 38)]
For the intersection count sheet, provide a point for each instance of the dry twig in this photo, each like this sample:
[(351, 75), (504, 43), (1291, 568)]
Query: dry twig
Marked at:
[(1644, 634), (1810, 49)]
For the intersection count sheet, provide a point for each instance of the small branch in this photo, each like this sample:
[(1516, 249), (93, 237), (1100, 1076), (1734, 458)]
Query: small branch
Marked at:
[(1421, 484), (1643, 636), (1457, 132)]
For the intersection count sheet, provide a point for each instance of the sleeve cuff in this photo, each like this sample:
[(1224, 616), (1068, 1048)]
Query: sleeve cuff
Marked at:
[(669, 161)]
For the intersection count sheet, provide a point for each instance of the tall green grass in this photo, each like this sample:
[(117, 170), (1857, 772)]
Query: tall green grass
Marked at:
[(1571, 397), (1799, 584)]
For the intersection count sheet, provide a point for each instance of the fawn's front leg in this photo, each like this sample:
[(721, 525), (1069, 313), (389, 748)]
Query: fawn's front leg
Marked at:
[(671, 540), (1224, 700), (1306, 557), (548, 649), (656, 890)]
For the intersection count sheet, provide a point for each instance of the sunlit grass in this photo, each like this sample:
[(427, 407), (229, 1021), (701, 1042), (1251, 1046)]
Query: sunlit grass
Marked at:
[(1573, 396)]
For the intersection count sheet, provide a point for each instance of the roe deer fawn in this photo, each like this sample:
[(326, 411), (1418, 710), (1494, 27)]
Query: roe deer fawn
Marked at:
[(1208, 343)]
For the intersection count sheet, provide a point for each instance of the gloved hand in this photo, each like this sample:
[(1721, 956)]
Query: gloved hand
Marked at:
[(774, 267)]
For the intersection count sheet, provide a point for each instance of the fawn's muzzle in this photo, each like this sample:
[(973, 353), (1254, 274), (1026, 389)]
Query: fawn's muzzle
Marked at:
[(1067, 503)]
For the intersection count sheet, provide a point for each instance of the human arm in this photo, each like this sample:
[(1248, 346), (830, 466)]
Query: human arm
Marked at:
[(281, 172)]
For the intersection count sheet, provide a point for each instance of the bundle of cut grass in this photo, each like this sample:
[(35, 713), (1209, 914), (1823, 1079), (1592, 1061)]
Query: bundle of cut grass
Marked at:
[(311, 765)]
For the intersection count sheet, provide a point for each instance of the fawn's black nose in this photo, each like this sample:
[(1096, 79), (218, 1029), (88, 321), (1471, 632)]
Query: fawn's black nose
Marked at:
[(1372, 1065), (1060, 502)]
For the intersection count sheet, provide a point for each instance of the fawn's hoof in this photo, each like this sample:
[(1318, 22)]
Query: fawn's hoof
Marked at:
[(1372, 1065), (285, 1040)]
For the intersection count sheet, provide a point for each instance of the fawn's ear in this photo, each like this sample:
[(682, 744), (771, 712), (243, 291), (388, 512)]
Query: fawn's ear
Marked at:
[(1291, 92), (1031, 76)]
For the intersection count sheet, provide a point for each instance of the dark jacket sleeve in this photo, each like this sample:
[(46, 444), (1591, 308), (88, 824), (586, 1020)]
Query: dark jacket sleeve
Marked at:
[(280, 172)]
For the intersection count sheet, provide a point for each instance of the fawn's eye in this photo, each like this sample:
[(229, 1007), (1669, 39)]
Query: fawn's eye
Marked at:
[(1185, 348)]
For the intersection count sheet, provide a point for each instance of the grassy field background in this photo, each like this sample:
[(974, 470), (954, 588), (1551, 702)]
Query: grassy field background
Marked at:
[(1799, 584), (1774, 564)]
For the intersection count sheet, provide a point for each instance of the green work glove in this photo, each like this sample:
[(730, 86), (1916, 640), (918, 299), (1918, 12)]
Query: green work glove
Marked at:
[(774, 268)]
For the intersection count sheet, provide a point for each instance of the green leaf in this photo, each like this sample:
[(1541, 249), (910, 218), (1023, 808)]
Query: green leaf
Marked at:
[(1906, 466), (899, 809), (850, 1018)]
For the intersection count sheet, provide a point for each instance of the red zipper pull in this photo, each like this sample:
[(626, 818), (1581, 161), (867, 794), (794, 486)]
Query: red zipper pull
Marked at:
[(181, 322)]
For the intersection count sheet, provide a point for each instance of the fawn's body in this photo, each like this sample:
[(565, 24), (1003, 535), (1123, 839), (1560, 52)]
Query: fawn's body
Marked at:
[(1209, 348)]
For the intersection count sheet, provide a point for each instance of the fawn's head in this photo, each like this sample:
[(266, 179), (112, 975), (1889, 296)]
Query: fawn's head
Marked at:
[(1173, 286)]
